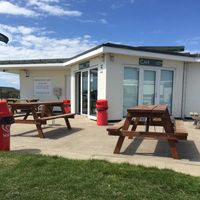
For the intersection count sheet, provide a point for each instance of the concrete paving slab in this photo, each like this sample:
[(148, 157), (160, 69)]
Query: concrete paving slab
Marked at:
[(86, 140)]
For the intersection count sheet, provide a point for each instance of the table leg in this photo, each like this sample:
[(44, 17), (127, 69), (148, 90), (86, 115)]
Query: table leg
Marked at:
[(27, 114), (66, 119), (135, 123), (147, 125), (121, 137), (172, 145), (38, 125), (119, 144), (40, 132), (67, 123)]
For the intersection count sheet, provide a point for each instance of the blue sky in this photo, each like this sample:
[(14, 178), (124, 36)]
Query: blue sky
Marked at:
[(63, 28)]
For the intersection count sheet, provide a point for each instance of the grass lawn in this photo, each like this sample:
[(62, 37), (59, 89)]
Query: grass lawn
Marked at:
[(25, 176)]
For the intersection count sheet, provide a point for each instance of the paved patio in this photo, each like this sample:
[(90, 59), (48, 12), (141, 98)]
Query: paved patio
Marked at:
[(86, 140)]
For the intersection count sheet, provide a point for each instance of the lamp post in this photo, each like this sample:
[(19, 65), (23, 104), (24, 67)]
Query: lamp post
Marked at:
[(4, 38)]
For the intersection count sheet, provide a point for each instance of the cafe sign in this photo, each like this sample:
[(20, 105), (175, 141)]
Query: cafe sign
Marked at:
[(150, 62)]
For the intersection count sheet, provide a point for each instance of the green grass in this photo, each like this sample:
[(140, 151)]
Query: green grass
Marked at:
[(25, 176)]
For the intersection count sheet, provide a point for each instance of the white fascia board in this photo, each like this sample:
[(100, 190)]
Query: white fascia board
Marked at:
[(84, 56), (148, 54), (29, 66)]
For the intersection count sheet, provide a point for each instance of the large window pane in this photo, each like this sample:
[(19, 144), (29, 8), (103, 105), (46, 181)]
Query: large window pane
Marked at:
[(166, 88), (130, 88), (149, 87)]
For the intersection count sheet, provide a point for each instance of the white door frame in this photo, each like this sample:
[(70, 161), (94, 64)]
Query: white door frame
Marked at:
[(82, 71), (88, 94)]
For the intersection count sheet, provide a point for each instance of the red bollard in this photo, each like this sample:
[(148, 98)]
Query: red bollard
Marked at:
[(6, 119), (102, 114), (67, 105)]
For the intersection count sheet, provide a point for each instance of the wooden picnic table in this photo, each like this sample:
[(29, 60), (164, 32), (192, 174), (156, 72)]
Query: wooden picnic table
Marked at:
[(149, 115), (15, 100), (41, 112)]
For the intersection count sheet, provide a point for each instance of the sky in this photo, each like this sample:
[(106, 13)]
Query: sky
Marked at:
[(62, 28)]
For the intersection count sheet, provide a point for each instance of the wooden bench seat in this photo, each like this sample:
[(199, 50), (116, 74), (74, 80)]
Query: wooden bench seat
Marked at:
[(116, 128), (67, 115), (180, 132)]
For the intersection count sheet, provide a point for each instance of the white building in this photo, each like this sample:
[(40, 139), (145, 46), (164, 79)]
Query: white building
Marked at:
[(124, 75)]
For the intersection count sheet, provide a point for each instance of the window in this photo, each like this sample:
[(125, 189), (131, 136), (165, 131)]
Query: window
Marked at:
[(130, 88), (166, 88)]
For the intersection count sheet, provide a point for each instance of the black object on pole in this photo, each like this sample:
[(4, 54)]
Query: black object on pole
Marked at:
[(4, 38)]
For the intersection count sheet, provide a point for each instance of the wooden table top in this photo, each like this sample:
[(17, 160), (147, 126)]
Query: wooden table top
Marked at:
[(148, 109), (15, 99), (30, 104)]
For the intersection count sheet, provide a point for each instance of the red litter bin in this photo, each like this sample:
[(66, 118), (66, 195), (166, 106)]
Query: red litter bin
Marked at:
[(102, 113), (6, 119), (67, 105)]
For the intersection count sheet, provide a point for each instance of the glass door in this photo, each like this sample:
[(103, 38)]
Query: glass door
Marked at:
[(130, 88), (93, 90), (149, 87), (166, 88), (85, 92)]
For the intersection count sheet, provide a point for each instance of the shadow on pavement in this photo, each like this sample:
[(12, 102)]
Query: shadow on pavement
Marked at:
[(186, 149), (50, 133)]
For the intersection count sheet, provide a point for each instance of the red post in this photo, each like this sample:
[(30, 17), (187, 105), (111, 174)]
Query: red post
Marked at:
[(6, 119)]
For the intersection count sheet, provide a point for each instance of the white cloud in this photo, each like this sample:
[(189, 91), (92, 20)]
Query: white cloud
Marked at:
[(9, 8), (53, 9), (33, 8), (30, 43), (98, 21), (17, 29), (119, 4), (103, 21)]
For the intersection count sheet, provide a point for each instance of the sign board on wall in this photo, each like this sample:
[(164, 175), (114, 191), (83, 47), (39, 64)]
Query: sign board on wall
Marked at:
[(42, 87), (150, 62)]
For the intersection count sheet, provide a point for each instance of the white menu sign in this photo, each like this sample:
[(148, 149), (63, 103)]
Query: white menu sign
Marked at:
[(42, 87)]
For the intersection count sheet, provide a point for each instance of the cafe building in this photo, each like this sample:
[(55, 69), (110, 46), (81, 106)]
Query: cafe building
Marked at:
[(124, 75)]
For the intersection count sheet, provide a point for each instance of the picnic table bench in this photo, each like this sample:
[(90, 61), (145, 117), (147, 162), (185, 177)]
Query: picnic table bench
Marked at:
[(154, 115), (41, 112)]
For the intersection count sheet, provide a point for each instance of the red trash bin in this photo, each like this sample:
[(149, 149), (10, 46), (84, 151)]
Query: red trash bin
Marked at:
[(67, 105), (102, 113), (6, 119)]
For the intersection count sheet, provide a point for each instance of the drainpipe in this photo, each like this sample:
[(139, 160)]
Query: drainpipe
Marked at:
[(184, 84)]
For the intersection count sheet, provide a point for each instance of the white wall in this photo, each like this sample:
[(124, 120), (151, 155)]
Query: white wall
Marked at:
[(114, 89), (192, 101), (58, 80)]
